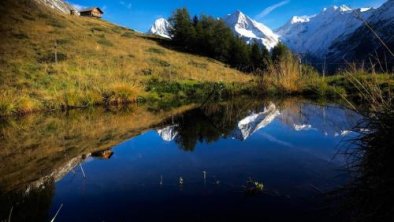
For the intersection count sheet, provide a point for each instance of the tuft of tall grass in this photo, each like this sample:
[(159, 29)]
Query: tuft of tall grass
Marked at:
[(288, 76), (369, 196)]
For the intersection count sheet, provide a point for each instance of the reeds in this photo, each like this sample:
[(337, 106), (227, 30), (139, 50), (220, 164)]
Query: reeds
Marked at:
[(369, 196)]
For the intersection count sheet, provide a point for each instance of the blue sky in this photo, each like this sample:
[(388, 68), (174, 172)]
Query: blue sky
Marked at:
[(140, 14)]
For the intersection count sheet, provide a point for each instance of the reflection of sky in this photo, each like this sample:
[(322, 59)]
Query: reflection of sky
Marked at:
[(287, 161), (290, 152)]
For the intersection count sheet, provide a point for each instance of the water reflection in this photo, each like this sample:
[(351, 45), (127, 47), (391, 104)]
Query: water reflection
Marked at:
[(46, 157), (210, 123), (40, 147)]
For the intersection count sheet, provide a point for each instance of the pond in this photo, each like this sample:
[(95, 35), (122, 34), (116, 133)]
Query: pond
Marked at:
[(245, 159)]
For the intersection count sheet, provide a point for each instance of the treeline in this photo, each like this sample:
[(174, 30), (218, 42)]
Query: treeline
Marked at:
[(211, 37)]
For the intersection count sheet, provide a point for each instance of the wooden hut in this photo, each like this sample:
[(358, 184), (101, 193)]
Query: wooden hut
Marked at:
[(105, 154), (92, 12)]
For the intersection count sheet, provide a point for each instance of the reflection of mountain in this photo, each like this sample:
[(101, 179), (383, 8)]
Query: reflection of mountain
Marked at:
[(168, 133), (330, 120), (217, 121), (255, 122)]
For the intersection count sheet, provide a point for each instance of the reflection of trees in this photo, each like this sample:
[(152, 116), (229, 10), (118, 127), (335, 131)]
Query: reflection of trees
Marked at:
[(211, 122), (194, 127)]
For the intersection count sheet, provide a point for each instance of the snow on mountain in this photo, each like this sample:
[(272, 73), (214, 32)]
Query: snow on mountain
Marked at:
[(251, 30), (162, 28), (58, 5), (313, 35), (168, 133), (256, 121), (362, 42)]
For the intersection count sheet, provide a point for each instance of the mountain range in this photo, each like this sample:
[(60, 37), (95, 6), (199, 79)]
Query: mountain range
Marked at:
[(335, 36)]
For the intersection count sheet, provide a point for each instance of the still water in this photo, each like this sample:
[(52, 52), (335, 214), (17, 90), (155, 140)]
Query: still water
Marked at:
[(190, 163)]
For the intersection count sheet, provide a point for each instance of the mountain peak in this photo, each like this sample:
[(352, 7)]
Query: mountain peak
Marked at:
[(161, 27), (333, 9), (251, 30)]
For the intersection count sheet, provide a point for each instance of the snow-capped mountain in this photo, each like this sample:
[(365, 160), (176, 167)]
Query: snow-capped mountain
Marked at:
[(251, 30), (58, 5), (363, 45), (314, 35), (161, 27), (168, 133), (256, 121)]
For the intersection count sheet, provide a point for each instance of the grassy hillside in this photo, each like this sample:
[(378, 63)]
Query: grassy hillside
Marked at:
[(97, 62)]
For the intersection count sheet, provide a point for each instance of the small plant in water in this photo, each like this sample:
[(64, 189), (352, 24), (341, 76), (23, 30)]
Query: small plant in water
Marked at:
[(253, 187)]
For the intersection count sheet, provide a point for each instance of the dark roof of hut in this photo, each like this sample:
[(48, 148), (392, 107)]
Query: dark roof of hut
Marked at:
[(91, 9)]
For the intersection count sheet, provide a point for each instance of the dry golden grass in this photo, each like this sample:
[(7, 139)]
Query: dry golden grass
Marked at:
[(95, 60), (286, 75)]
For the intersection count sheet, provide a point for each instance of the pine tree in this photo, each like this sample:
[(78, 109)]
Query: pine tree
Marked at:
[(183, 31), (280, 52), (256, 57)]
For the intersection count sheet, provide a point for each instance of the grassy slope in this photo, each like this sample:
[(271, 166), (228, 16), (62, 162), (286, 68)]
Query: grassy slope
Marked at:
[(99, 62)]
